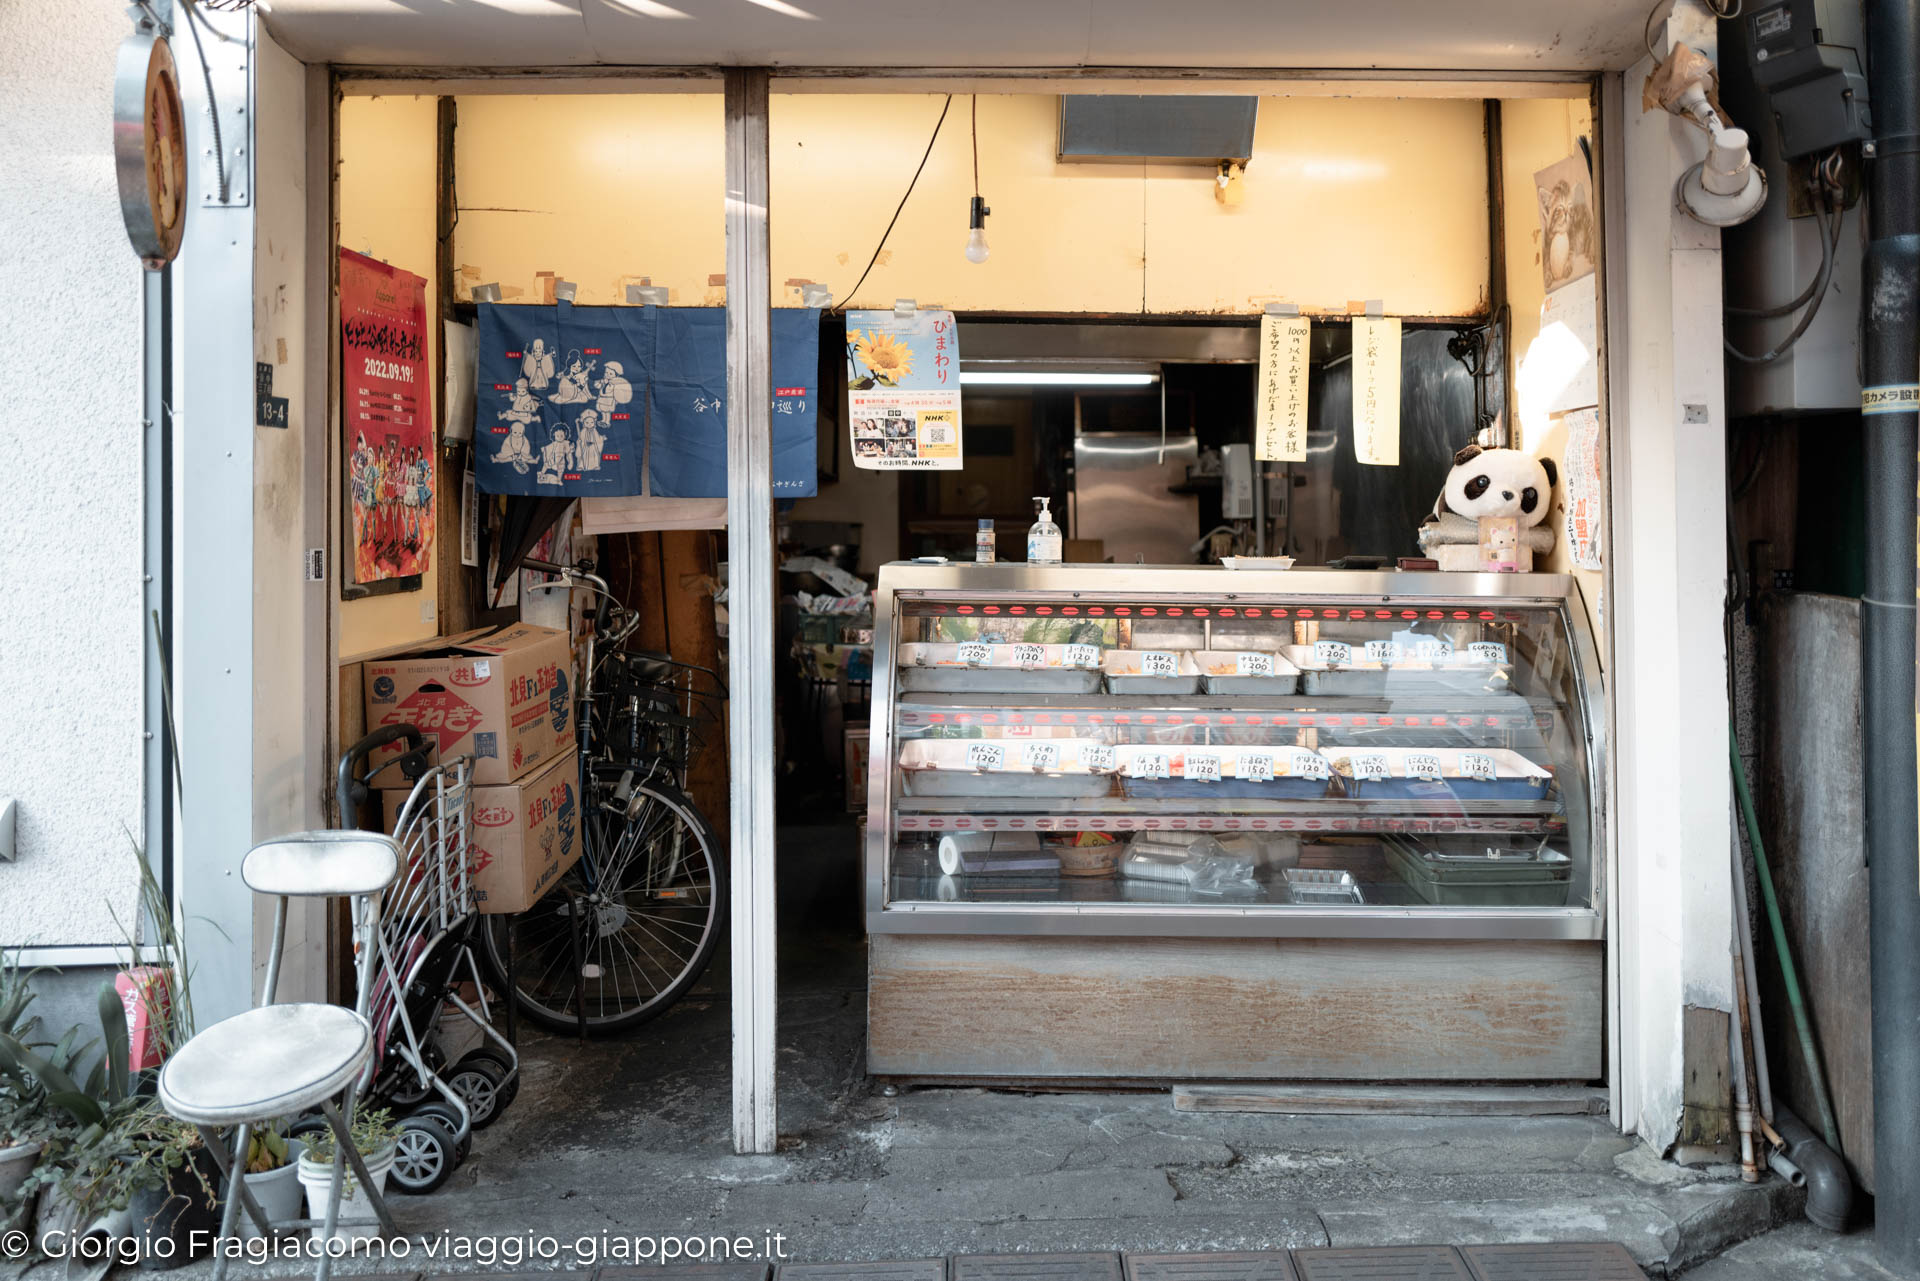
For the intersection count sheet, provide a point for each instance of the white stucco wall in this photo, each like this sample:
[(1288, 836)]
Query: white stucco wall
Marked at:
[(70, 540)]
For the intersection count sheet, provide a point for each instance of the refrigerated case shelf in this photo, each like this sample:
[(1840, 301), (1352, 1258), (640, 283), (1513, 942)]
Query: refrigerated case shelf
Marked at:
[(1333, 814), (1506, 713)]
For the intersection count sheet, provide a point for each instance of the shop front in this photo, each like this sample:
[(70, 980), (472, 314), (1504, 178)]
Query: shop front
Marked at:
[(1167, 809)]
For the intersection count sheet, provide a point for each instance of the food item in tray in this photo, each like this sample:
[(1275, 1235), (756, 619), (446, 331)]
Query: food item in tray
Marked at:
[(1224, 761), (1422, 655), (1016, 756), (1020, 655), (1493, 773), (1243, 662), (1164, 663), (1086, 854)]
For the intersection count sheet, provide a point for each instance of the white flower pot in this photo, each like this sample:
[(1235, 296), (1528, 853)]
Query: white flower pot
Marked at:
[(317, 1179), (16, 1163), (278, 1192)]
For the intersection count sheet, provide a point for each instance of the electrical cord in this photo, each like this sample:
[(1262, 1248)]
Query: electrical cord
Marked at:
[(194, 18), (974, 103), (902, 205), (1826, 183)]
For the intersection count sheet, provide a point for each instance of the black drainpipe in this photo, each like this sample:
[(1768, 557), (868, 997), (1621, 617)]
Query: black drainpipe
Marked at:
[(1891, 359)]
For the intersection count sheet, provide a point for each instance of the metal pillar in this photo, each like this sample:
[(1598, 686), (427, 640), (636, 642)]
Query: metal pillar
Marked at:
[(156, 602), (750, 608), (1888, 348)]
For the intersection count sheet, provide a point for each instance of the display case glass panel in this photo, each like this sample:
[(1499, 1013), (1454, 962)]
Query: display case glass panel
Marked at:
[(1097, 747)]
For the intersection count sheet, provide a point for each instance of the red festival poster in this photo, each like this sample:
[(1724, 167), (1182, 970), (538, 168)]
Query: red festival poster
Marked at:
[(388, 417)]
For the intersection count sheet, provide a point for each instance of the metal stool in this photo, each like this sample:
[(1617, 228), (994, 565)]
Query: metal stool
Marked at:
[(279, 1060)]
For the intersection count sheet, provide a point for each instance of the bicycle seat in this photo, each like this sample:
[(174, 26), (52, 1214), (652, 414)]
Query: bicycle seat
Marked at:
[(648, 665)]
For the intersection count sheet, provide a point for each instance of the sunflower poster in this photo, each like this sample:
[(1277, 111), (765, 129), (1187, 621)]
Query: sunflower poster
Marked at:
[(903, 390)]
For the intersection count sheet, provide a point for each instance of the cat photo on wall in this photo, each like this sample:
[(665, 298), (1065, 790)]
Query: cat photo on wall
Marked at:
[(1567, 230)]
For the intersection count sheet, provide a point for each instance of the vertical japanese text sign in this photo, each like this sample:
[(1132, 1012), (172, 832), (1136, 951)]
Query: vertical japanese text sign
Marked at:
[(1376, 390), (1280, 432)]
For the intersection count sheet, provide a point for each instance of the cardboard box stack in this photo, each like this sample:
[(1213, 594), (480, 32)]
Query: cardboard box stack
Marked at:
[(504, 697)]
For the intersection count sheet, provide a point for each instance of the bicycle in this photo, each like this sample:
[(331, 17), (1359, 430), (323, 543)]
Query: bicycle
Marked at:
[(632, 925)]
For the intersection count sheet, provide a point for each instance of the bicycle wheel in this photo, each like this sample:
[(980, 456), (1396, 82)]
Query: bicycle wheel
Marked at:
[(650, 896)]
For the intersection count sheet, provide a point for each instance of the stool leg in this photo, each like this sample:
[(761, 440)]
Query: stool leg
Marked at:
[(233, 1169), (229, 1213), (342, 1143), (374, 1197)]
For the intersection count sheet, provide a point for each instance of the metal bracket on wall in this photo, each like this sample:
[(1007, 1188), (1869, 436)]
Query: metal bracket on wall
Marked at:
[(229, 67)]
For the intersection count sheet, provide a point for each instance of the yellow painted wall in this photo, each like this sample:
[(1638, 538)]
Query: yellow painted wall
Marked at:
[(1345, 199), (387, 210), (1535, 133)]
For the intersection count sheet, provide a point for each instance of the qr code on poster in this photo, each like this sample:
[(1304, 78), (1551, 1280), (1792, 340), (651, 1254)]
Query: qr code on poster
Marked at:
[(936, 434)]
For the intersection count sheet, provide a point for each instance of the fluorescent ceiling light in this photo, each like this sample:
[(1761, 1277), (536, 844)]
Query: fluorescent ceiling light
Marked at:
[(1038, 378), (650, 9), (781, 6)]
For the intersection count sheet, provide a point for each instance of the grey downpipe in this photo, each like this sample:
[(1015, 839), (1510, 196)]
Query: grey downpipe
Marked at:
[(1823, 1174), (1890, 357)]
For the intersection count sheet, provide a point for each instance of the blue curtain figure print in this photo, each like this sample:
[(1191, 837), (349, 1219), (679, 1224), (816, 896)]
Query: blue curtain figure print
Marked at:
[(562, 400), (687, 444)]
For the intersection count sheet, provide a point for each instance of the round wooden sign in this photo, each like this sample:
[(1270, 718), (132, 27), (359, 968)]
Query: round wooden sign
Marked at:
[(150, 148)]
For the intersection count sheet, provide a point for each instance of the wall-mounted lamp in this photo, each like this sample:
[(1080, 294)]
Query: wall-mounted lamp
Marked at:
[(977, 230)]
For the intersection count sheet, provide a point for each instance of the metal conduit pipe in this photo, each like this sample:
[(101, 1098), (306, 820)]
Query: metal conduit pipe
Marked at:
[(1822, 1172), (1890, 365)]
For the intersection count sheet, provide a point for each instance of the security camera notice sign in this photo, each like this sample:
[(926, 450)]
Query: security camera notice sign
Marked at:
[(903, 390)]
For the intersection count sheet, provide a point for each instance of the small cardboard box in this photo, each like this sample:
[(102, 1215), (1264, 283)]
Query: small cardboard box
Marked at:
[(503, 697), (524, 835), (858, 741)]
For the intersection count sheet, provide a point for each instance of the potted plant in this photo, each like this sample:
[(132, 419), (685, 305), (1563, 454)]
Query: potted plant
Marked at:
[(25, 1120), (272, 1176), (171, 1181), (373, 1136)]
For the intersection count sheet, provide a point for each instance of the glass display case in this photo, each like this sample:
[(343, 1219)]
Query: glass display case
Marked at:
[(1119, 749)]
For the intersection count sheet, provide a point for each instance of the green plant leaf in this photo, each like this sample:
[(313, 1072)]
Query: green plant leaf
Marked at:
[(18, 1059), (80, 1107), (113, 1025)]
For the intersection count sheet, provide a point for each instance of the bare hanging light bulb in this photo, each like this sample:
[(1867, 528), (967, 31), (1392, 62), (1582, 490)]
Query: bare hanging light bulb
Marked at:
[(977, 230)]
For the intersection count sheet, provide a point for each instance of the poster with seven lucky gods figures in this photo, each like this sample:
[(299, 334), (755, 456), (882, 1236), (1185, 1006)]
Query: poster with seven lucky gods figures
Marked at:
[(387, 417)]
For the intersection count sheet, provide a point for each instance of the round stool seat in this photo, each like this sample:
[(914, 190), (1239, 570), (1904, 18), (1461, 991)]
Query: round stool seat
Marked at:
[(268, 1062)]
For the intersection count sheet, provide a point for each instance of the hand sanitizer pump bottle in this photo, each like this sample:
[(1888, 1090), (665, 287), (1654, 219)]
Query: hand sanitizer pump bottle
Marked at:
[(1043, 539)]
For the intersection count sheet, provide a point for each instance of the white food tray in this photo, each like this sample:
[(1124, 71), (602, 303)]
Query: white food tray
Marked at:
[(1246, 671), (1151, 671), (982, 667), (1452, 761), (1380, 656)]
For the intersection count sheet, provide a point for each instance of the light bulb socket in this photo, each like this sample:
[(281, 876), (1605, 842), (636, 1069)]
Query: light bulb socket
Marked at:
[(977, 213)]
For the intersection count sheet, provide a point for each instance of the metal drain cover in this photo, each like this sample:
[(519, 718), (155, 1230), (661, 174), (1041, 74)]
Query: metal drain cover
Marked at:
[(1387, 1263), (1608, 1262), (1225, 1266), (1098, 1266), (910, 1270), (678, 1272)]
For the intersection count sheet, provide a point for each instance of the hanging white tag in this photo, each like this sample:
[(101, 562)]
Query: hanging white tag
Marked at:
[(1028, 657), (1151, 765), (1203, 767), (976, 653), (1424, 766), (1280, 426), (1479, 767), (1488, 652), (1309, 765), (1376, 391), (985, 755), (1332, 653), (1254, 767), (1098, 759), (1248, 663), (1083, 656), (1041, 755), (1369, 767), (1158, 662), (1384, 652)]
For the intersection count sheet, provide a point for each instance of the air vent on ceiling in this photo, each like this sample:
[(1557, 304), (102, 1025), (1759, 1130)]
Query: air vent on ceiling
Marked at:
[(1164, 129)]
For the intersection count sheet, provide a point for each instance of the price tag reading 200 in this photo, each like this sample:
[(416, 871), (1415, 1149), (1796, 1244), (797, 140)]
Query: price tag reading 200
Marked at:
[(976, 653), (1248, 663), (1332, 653)]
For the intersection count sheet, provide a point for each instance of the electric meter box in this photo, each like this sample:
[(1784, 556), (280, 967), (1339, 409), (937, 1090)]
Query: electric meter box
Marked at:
[(1808, 57)]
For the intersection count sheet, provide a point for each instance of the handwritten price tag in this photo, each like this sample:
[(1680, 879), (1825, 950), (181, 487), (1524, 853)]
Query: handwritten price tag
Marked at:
[(1423, 765), (1369, 767), (1253, 664), (1488, 652), (1028, 657), (1041, 756), (976, 653), (1433, 651), (1310, 765), (1203, 767), (1098, 760), (1151, 765), (1159, 662), (1332, 653), (1254, 767), (1478, 766), (985, 756), (1384, 652), (1083, 656)]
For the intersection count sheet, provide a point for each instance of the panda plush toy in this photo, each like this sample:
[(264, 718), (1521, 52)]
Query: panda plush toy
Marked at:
[(1489, 482)]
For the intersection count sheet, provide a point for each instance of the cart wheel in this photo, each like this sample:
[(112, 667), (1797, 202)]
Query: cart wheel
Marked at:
[(509, 1073), (478, 1081), (423, 1155), (449, 1118)]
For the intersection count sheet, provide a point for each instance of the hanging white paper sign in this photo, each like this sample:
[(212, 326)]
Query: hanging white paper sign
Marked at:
[(1280, 429), (1376, 390)]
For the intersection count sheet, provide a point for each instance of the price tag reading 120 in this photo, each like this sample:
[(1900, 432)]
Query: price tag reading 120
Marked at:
[(1423, 765), (1029, 656), (1310, 765), (1159, 662), (1152, 765), (1203, 767), (976, 653), (1083, 656), (985, 755), (1369, 767), (1098, 760), (1478, 766)]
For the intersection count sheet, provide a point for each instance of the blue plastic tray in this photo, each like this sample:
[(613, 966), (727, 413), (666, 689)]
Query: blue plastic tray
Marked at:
[(1236, 789), (1452, 789)]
